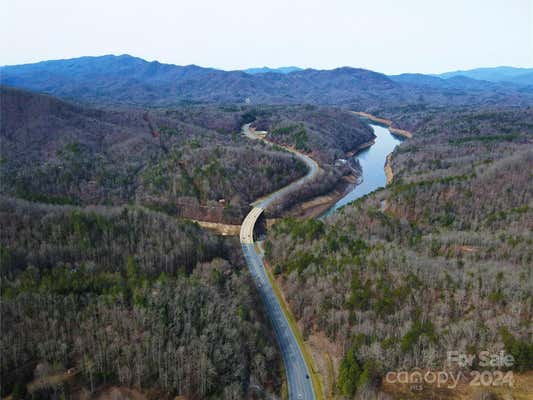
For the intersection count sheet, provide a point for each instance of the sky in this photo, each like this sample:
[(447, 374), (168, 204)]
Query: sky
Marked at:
[(383, 35)]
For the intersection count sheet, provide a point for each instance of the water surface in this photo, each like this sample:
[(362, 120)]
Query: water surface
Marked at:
[(372, 161)]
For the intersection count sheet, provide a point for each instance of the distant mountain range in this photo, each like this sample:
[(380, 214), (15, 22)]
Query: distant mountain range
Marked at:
[(523, 76), (280, 70), (132, 81)]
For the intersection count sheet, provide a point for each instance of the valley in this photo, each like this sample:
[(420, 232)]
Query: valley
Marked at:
[(370, 241)]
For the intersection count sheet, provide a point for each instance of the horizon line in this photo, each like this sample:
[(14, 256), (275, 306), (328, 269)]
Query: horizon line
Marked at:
[(243, 69)]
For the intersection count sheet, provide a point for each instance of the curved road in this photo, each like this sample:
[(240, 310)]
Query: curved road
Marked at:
[(298, 376)]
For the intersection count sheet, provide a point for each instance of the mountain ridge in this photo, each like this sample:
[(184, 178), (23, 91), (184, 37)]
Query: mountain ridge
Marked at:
[(132, 81), (517, 75), (279, 70)]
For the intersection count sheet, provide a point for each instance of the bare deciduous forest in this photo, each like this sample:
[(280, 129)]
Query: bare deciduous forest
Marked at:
[(129, 297), (439, 260), (107, 283), (103, 275)]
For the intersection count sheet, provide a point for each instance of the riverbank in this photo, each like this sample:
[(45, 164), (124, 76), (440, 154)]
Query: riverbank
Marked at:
[(361, 147), (317, 206), (387, 122), (388, 169), (400, 132), (323, 204), (375, 164)]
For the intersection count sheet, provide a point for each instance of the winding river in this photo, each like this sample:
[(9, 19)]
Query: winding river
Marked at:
[(372, 161)]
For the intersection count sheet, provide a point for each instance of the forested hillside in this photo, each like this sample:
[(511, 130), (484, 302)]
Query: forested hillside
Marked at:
[(106, 284), (281, 200), (124, 296), (182, 161), (190, 162), (102, 286), (132, 81), (441, 259), (330, 135), (326, 133)]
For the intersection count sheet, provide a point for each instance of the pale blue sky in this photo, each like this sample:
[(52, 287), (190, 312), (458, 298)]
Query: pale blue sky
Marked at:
[(382, 35)]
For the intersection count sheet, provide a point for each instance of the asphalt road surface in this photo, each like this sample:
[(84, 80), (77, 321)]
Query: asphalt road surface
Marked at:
[(298, 375), (312, 166)]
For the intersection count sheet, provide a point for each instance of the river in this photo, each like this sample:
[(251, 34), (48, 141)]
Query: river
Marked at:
[(372, 161)]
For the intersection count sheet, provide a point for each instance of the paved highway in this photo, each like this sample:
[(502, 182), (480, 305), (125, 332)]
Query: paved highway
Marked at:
[(298, 375), (311, 165)]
